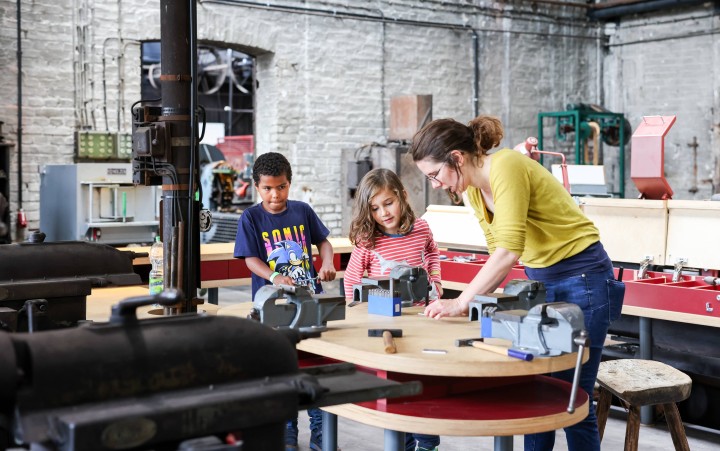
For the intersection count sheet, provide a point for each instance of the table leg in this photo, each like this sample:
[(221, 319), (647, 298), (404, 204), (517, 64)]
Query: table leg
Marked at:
[(394, 440), (329, 427), (646, 346), (213, 296), (504, 443)]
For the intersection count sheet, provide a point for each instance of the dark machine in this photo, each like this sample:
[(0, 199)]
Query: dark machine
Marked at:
[(5, 148), (180, 382), (45, 285), (165, 149)]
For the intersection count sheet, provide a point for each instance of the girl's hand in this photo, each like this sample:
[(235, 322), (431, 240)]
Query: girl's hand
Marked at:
[(326, 273), (444, 307), (283, 280), (438, 288)]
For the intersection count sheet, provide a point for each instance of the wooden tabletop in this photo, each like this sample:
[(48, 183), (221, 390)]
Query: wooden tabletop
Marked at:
[(101, 300), (348, 341)]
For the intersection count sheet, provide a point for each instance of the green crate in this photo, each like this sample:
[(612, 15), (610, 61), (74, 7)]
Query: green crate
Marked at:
[(124, 146), (96, 145)]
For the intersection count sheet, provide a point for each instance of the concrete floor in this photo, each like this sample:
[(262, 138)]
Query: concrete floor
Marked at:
[(353, 436)]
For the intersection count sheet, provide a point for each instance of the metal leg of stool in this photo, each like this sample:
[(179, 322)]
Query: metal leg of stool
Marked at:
[(677, 430), (603, 409)]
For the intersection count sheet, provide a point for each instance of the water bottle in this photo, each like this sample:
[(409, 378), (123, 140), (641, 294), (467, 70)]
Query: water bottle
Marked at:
[(156, 272)]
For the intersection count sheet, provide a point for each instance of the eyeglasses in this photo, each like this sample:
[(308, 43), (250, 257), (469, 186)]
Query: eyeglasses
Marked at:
[(433, 177)]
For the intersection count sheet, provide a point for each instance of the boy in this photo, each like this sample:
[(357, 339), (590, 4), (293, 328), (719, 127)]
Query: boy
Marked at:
[(275, 238)]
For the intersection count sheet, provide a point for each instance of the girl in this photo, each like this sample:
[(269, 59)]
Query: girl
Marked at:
[(386, 233), (525, 214)]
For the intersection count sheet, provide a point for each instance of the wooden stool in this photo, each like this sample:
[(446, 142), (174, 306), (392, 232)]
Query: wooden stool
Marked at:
[(643, 383)]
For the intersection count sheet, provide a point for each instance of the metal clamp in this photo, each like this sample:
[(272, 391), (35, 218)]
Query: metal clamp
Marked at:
[(677, 270)]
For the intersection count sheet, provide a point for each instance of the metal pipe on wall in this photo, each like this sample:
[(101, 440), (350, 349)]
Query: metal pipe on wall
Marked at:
[(609, 12), (190, 267), (21, 222), (476, 73)]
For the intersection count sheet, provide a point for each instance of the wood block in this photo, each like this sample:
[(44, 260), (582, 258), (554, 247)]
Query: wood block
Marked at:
[(408, 114), (630, 229), (455, 227), (692, 233)]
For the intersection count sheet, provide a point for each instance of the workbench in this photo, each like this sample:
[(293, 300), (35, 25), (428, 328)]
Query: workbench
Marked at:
[(666, 233), (466, 391), (219, 269)]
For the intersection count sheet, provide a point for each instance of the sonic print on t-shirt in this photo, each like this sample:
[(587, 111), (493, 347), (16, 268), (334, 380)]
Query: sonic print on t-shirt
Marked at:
[(289, 259)]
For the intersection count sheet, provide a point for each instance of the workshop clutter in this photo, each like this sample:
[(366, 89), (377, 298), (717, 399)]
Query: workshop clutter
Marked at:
[(238, 151), (384, 302)]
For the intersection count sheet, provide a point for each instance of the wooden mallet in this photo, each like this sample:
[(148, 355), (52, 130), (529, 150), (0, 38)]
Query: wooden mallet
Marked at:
[(388, 338)]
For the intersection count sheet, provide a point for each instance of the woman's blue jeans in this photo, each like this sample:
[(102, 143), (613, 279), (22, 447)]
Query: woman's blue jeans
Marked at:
[(600, 297)]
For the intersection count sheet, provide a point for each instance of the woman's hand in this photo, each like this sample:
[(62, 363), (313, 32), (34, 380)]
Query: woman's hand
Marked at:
[(326, 273), (445, 307)]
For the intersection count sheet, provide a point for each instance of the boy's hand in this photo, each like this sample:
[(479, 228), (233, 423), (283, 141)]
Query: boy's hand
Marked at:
[(283, 280), (326, 273)]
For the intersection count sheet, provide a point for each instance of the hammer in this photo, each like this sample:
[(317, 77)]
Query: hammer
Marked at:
[(387, 335), (480, 344)]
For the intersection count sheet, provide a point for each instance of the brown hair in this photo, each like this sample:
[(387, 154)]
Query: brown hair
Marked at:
[(363, 227), (440, 137)]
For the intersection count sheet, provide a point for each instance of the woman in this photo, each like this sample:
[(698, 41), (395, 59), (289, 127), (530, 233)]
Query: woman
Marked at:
[(526, 215)]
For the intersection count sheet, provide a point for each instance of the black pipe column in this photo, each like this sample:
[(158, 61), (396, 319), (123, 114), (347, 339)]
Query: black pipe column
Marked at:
[(180, 239)]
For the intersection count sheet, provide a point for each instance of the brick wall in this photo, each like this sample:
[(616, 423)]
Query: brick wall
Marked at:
[(325, 82), (669, 64)]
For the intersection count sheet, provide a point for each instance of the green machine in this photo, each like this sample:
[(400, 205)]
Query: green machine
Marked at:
[(587, 121)]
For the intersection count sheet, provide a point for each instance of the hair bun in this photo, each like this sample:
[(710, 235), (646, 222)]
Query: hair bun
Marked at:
[(487, 132)]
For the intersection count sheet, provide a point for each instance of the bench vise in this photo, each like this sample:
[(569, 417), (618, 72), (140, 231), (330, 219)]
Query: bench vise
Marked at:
[(544, 330), (411, 282), (301, 310), (518, 294)]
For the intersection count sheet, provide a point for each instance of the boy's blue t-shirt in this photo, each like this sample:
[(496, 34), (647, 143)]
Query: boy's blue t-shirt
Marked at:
[(284, 241)]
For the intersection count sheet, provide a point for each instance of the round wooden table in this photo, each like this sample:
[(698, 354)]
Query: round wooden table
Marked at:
[(466, 391)]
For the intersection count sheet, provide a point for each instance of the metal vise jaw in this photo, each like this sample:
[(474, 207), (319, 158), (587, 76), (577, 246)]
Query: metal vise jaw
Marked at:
[(544, 330), (518, 294), (411, 282), (302, 310)]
